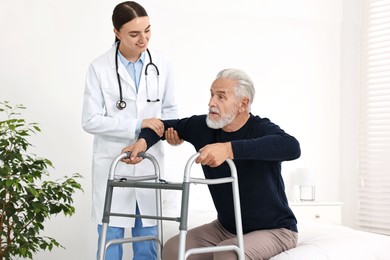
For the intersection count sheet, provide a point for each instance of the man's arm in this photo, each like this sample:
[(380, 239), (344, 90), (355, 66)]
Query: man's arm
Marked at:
[(212, 155), (146, 139), (215, 154), (172, 137), (278, 147)]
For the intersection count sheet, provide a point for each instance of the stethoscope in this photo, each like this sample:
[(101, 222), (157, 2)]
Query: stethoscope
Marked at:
[(121, 104)]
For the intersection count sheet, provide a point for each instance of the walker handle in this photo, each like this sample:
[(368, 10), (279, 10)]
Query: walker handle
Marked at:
[(126, 155), (141, 154)]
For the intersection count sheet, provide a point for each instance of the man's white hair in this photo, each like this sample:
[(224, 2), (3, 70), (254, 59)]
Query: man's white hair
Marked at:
[(244, 87)]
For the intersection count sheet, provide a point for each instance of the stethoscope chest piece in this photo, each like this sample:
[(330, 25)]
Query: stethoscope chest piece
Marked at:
[(121, 104)]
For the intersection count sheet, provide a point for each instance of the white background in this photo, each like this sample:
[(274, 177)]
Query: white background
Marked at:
[(301, 55)]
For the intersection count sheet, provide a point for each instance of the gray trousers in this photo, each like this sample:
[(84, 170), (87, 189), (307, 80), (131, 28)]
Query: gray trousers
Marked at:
[(259, 245)]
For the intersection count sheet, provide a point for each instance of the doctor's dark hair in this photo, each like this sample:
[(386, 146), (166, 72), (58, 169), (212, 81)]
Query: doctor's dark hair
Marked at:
[(125, 12), (244, 88)]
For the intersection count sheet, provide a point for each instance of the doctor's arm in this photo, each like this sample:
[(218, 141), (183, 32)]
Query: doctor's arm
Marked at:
[(99, 113), (155, 124)]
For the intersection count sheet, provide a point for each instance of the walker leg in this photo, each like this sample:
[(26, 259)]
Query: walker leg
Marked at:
[(105, 221), (239, 248), (128, 182), (182, 244), (160, 230), (102, 242), (183, 220)]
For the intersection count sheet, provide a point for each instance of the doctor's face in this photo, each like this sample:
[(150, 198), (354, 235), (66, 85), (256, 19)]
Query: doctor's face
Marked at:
[(134, 36), (223, 105)]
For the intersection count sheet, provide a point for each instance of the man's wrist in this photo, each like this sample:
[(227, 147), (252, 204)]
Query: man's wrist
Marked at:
[(142, 143), (230, 150)]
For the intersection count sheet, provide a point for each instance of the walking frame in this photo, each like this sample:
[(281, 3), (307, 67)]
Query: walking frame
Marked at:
[(158, 185)]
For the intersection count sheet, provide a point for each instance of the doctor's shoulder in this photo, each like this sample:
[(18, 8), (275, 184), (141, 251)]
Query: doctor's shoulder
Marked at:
[(104, 61)]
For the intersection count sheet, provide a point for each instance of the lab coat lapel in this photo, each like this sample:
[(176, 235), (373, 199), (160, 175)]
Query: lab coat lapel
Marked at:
[(128, 85), (125, 77)]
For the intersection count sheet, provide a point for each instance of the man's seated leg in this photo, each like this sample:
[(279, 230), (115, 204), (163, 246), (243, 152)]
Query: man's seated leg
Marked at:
[(262, 244), (207, 235)]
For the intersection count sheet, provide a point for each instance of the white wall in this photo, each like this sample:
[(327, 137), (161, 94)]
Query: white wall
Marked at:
[(292, 50)]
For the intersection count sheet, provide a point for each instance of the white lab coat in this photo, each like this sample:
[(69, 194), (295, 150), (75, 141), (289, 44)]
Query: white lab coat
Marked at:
[(114, 129)]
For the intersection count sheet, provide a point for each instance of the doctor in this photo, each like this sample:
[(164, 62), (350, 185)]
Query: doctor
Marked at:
[(124, 87)]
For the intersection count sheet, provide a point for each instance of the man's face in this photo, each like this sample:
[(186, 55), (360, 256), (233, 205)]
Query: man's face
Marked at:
[(223, 104)]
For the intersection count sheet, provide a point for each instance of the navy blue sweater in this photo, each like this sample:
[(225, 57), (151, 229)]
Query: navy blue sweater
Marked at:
[(259, 147)]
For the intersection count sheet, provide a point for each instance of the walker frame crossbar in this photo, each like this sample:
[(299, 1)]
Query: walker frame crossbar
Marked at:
[(158, 185)]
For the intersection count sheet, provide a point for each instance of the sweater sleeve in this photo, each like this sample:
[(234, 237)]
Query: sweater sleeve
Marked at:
[(151, 137), (267, 142), (191, 129), (281, 147)]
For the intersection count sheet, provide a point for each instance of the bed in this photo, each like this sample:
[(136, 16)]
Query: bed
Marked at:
[(317, 240), (323, 241)]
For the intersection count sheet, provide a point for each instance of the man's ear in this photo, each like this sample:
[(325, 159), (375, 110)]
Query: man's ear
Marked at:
[(244, 105)]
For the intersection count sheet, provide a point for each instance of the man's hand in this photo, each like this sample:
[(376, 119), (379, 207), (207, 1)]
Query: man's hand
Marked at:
[(134, 149), (155, 124), (214, 155), (172, 137)]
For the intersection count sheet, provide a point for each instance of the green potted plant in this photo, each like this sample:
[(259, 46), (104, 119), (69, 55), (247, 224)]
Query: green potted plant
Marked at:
[(26, 199)]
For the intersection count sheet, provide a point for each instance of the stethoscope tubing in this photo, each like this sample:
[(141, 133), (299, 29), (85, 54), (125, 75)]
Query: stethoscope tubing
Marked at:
[(121, 104)]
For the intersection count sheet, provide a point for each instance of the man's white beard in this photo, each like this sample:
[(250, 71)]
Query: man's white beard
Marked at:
[(221, 123)]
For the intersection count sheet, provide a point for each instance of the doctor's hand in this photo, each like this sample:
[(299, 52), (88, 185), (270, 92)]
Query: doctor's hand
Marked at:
[(172, 137), (155, 124), (134, 149), (214, 155)]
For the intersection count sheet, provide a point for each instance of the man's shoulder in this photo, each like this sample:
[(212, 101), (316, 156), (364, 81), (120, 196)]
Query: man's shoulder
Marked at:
[(259, 120), (261, 123), (198, 117)]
